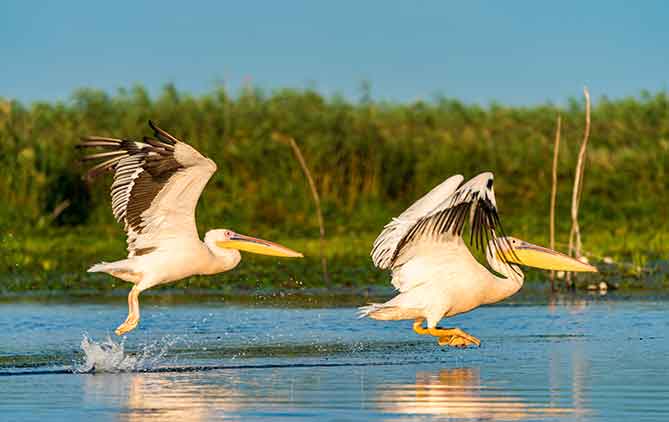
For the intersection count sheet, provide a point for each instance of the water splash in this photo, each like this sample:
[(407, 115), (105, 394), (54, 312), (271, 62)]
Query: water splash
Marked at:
[(110, 356)]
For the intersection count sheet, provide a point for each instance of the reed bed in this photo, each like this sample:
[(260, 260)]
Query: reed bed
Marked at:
[(369, 161)]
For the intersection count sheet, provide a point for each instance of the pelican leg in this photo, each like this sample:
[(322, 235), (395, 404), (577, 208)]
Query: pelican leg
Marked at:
[(418, 327), (133, 313)]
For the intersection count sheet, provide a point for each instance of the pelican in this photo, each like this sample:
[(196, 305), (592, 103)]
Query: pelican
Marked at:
[(157, 183), (434, 271)]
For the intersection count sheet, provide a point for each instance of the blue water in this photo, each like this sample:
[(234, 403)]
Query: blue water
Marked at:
[(581, 359)]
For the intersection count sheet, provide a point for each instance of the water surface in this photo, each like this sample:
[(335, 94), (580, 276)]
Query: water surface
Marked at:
[(579, 359)]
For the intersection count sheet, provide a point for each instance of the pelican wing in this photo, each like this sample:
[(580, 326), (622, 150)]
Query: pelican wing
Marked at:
[(386, 243), (441, 216), (157, 183)]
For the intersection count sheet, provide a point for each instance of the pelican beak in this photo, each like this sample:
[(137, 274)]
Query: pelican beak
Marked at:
[(525, 253), (258, 246)]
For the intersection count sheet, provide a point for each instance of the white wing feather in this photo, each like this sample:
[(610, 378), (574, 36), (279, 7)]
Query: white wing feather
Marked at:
[(171, 215), (157, 184), (439, 220), (386, 243)]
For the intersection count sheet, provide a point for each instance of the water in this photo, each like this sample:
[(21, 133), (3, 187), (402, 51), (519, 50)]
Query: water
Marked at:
[(583, 359)]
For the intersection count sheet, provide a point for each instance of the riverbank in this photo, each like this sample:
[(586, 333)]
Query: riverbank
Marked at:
[(57, 261)]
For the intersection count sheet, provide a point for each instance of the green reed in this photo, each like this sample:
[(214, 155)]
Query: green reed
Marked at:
[(369, 160)]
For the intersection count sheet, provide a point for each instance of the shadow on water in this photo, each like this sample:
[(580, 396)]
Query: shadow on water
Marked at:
[(163, 356)]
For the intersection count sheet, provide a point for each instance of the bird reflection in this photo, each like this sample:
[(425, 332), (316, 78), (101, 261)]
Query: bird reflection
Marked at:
[(458, 393), (452, 394), (160, 397)]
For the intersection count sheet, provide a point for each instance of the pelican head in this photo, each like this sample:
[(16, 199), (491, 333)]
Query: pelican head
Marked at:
[(228, 239), (517, 251)]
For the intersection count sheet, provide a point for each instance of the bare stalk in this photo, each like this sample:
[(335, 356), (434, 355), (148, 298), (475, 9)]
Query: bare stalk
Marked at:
[(314, 194), (575, 233), (59, 209), (556, 150)]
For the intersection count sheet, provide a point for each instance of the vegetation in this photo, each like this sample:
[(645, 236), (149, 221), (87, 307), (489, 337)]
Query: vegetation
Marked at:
[(369, 160)]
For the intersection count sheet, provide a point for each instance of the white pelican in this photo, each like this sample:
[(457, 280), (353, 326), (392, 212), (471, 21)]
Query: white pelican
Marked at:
[(432, 267), (157, 183)]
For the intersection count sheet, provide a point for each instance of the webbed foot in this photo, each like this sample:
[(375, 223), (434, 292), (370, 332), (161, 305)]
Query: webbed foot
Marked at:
[(457, 341), (129, 325), (454, 337)]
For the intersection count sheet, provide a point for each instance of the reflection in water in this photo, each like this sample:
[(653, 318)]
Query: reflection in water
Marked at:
[(458, 393), (573, 304), (452, 394), (175, 397)]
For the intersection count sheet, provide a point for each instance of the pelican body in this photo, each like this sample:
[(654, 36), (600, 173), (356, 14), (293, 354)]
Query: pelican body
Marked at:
[(433, 269), (156, 187)]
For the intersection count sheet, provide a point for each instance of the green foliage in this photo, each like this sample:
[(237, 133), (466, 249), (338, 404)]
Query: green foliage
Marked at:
[(369, 159)]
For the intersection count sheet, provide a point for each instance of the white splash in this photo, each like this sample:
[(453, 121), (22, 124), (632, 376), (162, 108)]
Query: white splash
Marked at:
[(109, 356)]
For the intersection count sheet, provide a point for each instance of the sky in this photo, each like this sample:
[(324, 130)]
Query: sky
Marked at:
[(515, 52)]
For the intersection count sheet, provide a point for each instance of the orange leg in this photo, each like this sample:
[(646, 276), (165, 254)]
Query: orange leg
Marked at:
[(133, 313)]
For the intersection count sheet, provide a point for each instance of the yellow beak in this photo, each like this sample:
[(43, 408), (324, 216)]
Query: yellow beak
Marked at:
[(525, 253), (258, 246)]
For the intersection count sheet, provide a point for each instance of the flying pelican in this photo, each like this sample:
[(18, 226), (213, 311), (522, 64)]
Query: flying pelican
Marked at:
[(157, 183), (432, 267)]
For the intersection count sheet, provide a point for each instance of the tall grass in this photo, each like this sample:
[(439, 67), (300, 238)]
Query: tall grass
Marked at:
[(369, 159)]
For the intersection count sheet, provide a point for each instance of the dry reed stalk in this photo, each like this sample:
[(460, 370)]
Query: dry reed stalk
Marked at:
[(575, 232), (59, 209), (556, 150), (314, 193)]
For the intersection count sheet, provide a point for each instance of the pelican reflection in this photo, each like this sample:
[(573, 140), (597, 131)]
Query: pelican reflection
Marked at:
[(458, 394), (165, 397)]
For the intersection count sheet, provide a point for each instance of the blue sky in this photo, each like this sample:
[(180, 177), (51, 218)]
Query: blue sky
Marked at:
[(516, 52)]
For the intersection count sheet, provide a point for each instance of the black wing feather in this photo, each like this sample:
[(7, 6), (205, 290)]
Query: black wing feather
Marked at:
[(141, 170), (484, 221)]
